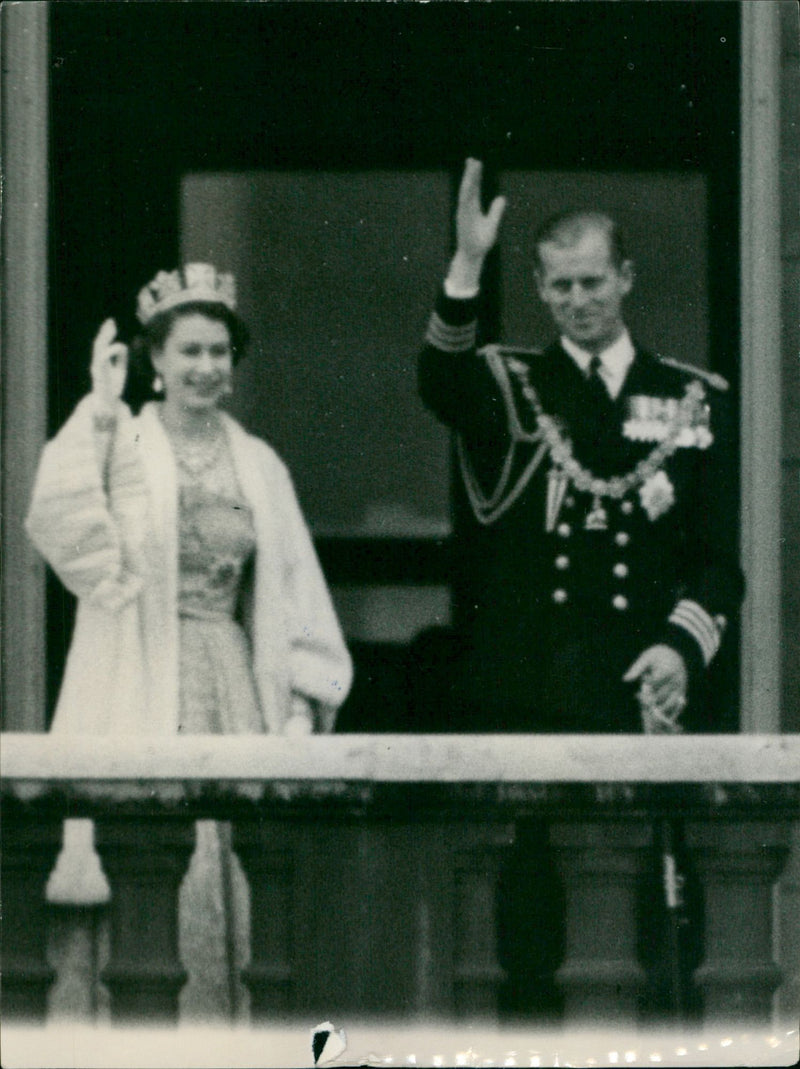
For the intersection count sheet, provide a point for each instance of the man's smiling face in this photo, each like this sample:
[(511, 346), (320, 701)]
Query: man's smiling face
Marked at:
[(584, 289)]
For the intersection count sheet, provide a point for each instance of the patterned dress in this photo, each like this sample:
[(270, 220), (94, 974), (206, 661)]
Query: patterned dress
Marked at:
[(217, 695), (216, 544)]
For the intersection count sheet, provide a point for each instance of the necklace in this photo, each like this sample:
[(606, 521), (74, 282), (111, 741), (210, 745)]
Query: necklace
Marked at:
[(196, 457), (565, 464)]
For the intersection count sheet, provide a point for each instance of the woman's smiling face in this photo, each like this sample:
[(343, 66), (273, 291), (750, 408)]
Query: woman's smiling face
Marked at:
[(195, 362)]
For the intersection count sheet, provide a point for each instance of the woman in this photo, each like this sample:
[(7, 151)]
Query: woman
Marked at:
[(201, 604), (182, 538)]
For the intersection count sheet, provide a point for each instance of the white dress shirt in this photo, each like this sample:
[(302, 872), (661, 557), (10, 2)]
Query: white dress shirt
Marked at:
[(614, 361)]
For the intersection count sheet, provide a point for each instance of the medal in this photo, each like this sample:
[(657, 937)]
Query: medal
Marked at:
[(597, 518), (652, 419)]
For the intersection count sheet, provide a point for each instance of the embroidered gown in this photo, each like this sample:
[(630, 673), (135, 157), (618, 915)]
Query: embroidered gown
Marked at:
[(216, 543), (217, 695)]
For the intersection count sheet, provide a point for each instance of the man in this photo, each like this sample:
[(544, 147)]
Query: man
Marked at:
[(601, 578), (600, 573)]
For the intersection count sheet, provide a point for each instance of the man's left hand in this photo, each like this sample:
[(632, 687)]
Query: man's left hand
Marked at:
[(662, 673)]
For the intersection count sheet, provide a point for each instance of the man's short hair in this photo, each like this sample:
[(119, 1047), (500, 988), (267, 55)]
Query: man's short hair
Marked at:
[(567, 228)]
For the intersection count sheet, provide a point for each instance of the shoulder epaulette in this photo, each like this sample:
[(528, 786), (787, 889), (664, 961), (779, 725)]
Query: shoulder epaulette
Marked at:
[(711, 377)]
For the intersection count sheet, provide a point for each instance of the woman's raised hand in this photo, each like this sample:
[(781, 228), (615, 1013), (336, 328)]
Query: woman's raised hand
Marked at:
[(109, 367), (476, 231)]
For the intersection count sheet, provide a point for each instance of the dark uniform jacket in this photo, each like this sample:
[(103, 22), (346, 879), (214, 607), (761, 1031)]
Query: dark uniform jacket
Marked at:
[(571, 574)]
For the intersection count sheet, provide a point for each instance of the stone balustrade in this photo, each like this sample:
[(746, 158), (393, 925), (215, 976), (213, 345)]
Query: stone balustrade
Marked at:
[(373, 863)]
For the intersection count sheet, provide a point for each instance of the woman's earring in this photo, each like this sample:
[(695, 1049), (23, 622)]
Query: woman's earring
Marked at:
[(158, 384)]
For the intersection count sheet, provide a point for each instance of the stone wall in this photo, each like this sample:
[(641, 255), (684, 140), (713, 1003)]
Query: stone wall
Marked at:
[(790, 257)]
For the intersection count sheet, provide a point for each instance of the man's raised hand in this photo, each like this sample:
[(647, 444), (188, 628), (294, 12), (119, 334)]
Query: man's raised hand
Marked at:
[(476, 230)]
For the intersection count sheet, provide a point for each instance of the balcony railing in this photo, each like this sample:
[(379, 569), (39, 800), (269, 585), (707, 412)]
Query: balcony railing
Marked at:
[(373, 864)]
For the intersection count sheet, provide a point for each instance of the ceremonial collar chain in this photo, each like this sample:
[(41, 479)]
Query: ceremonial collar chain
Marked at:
[(617, 486)]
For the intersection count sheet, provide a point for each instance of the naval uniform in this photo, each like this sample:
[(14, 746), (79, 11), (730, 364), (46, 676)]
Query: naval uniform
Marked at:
[(600, 526)]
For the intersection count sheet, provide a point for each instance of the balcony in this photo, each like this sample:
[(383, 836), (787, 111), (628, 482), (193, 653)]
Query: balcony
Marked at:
[(373, 865)]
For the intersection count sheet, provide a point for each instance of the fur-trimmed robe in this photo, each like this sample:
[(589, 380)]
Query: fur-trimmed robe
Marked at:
[(104, 514)]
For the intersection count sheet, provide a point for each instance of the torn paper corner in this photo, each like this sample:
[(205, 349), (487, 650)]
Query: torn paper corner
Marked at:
[(327, 1043)]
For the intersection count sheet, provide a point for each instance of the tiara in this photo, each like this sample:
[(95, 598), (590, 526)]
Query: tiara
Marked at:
[(193, 282)]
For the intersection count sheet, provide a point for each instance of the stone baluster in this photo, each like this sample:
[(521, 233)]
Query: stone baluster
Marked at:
[(601, 864), (31, 842), (739, 863), (270, 874), (477, 976), (145, 860)]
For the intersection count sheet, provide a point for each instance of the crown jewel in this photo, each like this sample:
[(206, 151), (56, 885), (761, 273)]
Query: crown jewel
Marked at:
[(193, 282)]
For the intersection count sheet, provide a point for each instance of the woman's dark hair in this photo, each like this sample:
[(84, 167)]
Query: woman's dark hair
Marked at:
[(153, 337)]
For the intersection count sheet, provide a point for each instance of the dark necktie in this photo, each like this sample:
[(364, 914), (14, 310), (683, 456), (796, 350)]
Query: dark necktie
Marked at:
[(596, 386), (598, 418)]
